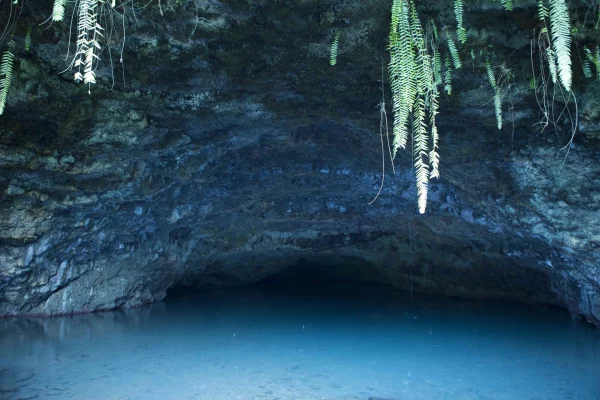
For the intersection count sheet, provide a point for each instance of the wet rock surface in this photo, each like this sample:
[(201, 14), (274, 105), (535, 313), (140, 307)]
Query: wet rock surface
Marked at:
[(234, 150)]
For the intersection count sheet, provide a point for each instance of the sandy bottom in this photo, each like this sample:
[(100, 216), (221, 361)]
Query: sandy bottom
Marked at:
[(304, 342)]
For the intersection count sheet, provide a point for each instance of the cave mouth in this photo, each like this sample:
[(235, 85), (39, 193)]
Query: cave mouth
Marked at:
[(301, 275), (470, 280), (310, 331)]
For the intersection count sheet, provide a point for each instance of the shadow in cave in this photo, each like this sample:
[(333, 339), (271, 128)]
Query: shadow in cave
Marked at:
[(306, 285)]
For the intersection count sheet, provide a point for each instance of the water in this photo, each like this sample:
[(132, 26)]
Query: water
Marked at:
[(318, 341)]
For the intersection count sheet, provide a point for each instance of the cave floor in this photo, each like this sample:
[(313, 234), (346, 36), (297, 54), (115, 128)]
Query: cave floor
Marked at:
[(303, 340)]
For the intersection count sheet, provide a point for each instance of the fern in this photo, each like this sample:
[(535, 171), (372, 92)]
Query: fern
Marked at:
[(498, 107), (552, 65), (591, 59), (28, 39), (402, 77), (454, 53), (58, 11), (561, 40), (448, 75), (587, 69), (412, 72), (89, 33), (586, 64), (490, 73), (6, 70), (437, 67), (543, 12), (507, 4), (461, 32), (419, 152), (334, 49)]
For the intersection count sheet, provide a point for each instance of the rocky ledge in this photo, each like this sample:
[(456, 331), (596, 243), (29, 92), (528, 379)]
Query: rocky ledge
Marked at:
[(234, 151)]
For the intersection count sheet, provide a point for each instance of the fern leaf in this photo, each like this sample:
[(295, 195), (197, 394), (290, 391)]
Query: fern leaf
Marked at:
[(448, 75), (507, 4), (28, 39), (490, 73), (89, 33), (6, 70), (597, 62), (461, 32), (419, 153), (560, 28), (437, 67), (587, 63), (402, 72), (498, 107), (58, 11), (552, 65), (334, 49), (543, 12), (454, 53)]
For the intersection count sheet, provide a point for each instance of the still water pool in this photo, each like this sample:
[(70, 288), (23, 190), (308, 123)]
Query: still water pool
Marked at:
[(304, 341)]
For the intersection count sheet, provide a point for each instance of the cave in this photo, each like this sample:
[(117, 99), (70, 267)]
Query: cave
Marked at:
[(268, 199)]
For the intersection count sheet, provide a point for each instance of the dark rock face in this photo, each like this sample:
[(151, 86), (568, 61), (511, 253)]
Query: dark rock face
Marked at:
[(236, 151)]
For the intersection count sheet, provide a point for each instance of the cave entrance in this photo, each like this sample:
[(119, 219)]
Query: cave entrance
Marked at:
[(302, 276)]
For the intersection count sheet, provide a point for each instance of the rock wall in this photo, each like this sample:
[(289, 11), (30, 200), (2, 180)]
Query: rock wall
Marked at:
[(233, 150)]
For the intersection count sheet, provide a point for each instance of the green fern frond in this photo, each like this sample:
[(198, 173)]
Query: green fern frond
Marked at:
[(420, 152), (447, 75), (507, 4), (552, 65), (490, 73), (498, 107), (413, 80), (6, 70), (591, 59), (597, 62), (89, 33), (454, 53), (461, 32), (402, 72), (587, 69), (437, 67), (58, 11), (28, 39), (560, 28), (543, 12), (334, 49)]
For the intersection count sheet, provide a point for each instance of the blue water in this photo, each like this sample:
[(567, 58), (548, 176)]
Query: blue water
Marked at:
[(317, 341)]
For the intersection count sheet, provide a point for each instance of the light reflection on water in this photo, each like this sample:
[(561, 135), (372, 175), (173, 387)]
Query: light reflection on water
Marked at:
[(314, 341)]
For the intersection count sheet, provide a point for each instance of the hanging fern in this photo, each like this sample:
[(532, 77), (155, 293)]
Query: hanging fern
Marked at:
[(498, 107), (591, 59), (58, 11), (89, 33), (454, 53), (543, 12), (507, 4), (334, 49), (461, 32), (561, 40), (552, 65), (401, 69), (587, 68), (6, 70), (437, 67), (448, 75), (28, 39), (497, 92), (490, 73), (414, 93)]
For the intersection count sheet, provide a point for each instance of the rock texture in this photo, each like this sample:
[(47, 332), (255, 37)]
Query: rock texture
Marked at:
[(233, 150)]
